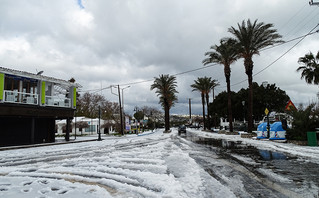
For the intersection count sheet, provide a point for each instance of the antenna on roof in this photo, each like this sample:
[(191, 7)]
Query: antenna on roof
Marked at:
[(39, 73)]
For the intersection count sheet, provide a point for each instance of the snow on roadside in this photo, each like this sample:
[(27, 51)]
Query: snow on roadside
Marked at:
[(307, 152)]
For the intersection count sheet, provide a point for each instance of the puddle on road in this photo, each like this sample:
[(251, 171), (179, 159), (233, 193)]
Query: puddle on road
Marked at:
[(238, 148), (270, 155), (280, 167)]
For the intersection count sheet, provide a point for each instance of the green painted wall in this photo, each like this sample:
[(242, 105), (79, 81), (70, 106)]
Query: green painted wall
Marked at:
[(1, 85), (43, 93)]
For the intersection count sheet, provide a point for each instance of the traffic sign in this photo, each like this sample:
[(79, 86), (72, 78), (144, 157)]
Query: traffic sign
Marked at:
[(266, 111)]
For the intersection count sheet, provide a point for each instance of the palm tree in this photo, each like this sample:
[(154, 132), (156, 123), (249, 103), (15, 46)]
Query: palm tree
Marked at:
[(165, 86), (310, 68), (203, 85), (210, 86), (252, 37), (225, 54)]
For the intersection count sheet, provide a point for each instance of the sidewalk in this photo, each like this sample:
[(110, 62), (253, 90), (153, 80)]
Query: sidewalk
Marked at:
[(79, 139), (58, 140)]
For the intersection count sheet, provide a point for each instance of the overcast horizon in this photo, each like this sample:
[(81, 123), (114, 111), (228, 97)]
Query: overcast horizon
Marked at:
[(129, 42)]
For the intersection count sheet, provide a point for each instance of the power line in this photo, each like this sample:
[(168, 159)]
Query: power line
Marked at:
[(215, 64), (305, 20), (177, 74), (293, 16), (144, 81), (302, 38), (285, 42)]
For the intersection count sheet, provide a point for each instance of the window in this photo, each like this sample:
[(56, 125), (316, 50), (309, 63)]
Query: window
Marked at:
[(91, 128)]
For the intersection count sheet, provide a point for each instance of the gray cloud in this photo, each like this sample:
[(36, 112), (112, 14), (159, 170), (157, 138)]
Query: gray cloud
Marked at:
[(119, 42)]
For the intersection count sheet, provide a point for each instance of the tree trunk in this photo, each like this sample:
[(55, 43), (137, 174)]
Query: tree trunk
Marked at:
[(250, 104), (203, 103), (230, 113), (208, 116), (249, 71), (166, 109)]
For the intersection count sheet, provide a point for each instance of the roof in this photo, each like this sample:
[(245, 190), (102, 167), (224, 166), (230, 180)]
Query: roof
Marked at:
[(85, 119), (38, 77)]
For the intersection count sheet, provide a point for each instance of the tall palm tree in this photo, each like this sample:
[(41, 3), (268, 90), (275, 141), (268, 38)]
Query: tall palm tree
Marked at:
[(252, 37), (165, 86), (225, 54), (310, 68), (211, 84), (203, 85)]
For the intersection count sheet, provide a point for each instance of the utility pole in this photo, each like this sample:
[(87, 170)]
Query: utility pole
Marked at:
[(190, 109), (121, 117), (118, 87)]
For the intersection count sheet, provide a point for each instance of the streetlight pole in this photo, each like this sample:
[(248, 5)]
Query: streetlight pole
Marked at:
[(123, 103), (190, 109), (75, 125), (123, 96), (99, 139), (243, 102), (121, 116)]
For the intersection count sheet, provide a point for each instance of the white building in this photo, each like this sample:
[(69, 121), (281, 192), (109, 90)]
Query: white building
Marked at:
[(84, 126)]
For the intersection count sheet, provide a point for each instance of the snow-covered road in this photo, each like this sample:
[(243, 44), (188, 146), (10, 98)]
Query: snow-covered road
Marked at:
[(134, 166), (155, 165)]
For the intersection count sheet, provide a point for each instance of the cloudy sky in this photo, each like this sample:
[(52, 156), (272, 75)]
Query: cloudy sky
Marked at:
[(129, 42)]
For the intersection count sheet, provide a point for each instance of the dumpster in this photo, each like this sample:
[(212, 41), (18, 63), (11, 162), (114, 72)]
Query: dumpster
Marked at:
[(262, 131), (312, 138), (277, 132)]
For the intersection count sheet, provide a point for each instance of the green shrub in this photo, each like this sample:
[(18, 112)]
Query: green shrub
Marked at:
[(303, 121)]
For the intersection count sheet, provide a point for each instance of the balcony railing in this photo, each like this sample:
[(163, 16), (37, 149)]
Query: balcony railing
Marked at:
[(28, 98), (57, 101), (20, 97)]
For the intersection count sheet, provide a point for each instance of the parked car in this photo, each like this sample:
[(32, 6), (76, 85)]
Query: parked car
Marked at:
[(182, 129)]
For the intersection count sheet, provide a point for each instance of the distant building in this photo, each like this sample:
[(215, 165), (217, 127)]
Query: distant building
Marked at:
[(30, 104), (85, 126)]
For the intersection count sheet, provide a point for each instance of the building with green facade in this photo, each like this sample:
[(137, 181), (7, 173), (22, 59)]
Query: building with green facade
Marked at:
[(30, 104)]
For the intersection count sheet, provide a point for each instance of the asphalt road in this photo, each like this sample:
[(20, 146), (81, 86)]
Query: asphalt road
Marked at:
[(251, 172)]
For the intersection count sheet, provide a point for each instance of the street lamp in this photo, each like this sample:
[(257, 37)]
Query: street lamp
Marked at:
[(123, 105), (75, 125), (190, 110), (119, 95), (99, 132), (243, 102), (123, 97)]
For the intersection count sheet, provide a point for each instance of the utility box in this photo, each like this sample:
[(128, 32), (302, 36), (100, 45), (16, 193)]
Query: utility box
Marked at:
[(312, 138)]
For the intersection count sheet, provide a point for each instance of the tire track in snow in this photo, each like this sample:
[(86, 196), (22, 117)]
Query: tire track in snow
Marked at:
[(133, 167)]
